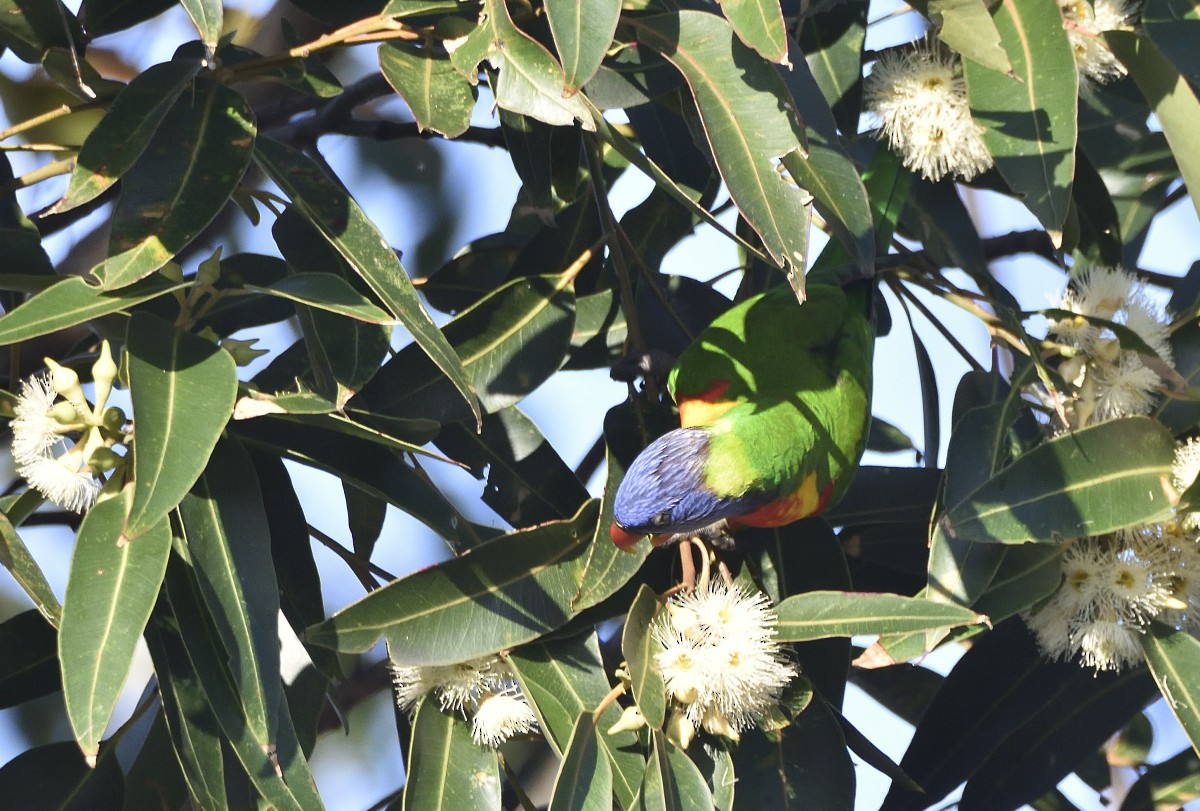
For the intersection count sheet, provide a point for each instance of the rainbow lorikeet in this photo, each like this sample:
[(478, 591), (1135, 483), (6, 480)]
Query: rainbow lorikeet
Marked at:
[(774, 402)]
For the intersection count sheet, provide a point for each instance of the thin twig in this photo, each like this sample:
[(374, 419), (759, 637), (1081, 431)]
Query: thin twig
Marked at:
[(362, 568)]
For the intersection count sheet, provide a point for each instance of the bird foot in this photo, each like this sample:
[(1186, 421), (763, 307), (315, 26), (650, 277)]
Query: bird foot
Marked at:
[(715, 535), (653, 363)]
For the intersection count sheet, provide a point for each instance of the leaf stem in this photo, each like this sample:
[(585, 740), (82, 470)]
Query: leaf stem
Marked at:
[(52, 169), (48, 116)]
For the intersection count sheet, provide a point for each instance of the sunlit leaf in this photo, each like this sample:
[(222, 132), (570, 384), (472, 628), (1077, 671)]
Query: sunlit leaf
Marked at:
[(438, 95), (583, 31), (638, 646), (183, 389), (73, 301), (759, 24), (820, 614), (15, 557), (1090, 481), (506, 592), (1173, 25), (329, 292), (446, 769), (584, 779), (529, 81), (1174, 657), (207, 17), (111, 589), (749, 119), (1029, 117), (968, 28)]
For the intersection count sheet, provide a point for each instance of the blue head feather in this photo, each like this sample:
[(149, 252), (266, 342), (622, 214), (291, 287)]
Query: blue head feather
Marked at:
[(664, 491)]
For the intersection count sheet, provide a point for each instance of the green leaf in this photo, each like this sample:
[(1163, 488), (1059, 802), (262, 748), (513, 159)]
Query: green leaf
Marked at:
[(195, 732), (155, 778), (583, 31), (1169, 784), (883, 495), (638, 647), (759, 24), (28, 659), (820, 614), (509, 343), (506, 592), (207, 17), (832, 43), (804, 765), (180, 181), (1170, 97), (529, 81), (225, 527), (73, 301), (109, 16), (445, 768), (126, 129), (527, 481), (275, 766), (439, 97), (29, 29), (1088, 482), (672, 781), (328, 292), (54, 776), (1174, 660), (968, 28), (335, 214), (15, 557), (1173, 26), (827, 171), (1029, 118), (750, 122), (565, 678), (1056, 741), (111, 589), (584, 779), (183, 388)]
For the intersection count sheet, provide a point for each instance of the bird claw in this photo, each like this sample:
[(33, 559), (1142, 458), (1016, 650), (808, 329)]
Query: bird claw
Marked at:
[(653, 363), (715, 535)]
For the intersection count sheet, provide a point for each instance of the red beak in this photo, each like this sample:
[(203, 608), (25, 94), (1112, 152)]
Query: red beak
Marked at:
[(624, 540)]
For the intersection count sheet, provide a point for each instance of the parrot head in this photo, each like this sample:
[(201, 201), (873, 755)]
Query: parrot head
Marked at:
[(664, 491)]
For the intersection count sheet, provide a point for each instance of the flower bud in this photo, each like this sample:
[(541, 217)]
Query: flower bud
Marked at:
[(242, 351), (631, 720), (66, 382), (680, 730), (104, 372), (64, 414), (210, 270), (103, 459)]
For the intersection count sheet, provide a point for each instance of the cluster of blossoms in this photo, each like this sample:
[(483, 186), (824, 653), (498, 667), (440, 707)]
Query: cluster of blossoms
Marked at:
[(485, 687), (1106, 380), (1114, 585), (919, 96), (1086, 21), (722, 668), (64, 471)]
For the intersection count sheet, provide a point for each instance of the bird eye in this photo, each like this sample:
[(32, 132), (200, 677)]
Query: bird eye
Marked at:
[(661, 520)]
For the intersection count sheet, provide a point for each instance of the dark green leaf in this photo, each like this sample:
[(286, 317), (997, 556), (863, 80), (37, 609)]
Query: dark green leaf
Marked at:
[(527, 482), (1055, 741), (180, 181), (1169, 784), (1091, 481), (832, 43), (672, 782), (804, 765), (509, 342), (126, 129), (28, 659), (225, 527), (155, 779), (55, 776), (329, 292), (183, 389), (108, 16), (968, 28), (882, 495), (1029, 117), (327, 206), (506, 592), (31, 27), (1173, 26), (111, 589), (207, 17)]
